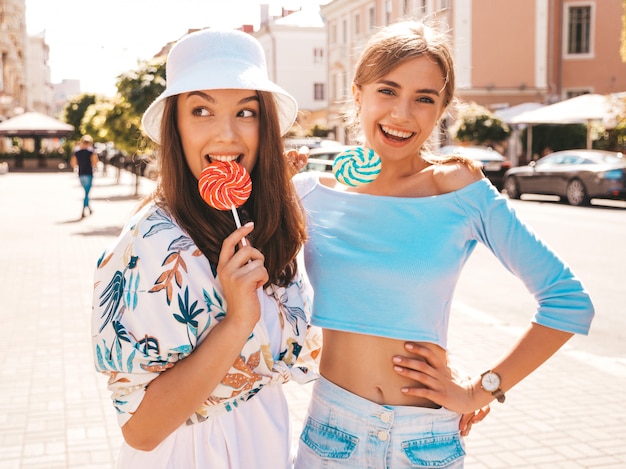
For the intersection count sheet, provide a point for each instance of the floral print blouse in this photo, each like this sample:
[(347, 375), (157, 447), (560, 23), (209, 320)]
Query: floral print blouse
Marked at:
[(156, 297)]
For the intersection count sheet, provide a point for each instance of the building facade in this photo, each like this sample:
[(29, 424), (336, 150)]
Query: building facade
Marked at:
[(13, 47), (40, 92), (506, 52), (295, 48)]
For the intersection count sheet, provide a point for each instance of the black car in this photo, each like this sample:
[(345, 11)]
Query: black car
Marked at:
[(493, 163), (576, 175)]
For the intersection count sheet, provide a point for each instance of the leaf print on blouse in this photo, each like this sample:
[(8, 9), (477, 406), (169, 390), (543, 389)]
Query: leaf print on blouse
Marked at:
[(174, 274), (163, 222), (295, 315), (246, 377), (113, 294), (188, 314), (213, 302)]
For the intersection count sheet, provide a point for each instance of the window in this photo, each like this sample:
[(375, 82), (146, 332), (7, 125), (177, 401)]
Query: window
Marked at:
[(372, 18), (388, 9), (357, 24), (578, 30), (318, 91), (573, 93), (318, 55)]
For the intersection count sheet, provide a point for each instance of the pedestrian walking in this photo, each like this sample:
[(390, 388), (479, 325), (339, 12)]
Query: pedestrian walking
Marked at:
[(85, 161)]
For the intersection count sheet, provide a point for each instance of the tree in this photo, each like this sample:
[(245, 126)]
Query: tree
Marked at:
[(136, 90), (477, 125), (75, 110), (140, 87)]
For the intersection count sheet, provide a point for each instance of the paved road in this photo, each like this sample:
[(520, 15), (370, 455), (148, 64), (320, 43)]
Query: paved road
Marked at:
[(55, 411)]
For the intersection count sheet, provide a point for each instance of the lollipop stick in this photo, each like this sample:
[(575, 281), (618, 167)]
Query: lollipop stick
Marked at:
[(238, 223)]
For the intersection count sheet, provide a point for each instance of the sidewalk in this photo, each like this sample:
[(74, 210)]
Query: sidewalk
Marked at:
[(55, 411)]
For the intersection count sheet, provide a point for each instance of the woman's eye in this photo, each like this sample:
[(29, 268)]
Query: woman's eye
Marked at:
[(247, 113), (426, 99), (200, 111), (386, 91)]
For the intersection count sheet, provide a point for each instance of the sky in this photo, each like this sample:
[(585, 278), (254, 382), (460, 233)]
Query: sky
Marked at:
[(95, 41)]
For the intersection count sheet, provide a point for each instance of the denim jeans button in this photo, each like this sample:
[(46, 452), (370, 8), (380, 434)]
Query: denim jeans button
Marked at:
[(385, 417), (383, 436)]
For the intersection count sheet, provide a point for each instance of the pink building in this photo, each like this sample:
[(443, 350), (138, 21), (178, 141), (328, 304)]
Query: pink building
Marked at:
[(507, 52)]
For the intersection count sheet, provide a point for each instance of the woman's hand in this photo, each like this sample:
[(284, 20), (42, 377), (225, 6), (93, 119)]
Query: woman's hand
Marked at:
[(470, 418), (440, 384), (241, 272), (297, 159)]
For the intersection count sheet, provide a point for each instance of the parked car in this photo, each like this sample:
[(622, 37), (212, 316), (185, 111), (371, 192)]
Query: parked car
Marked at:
[(321, 158), (576, 175), (494, 164)]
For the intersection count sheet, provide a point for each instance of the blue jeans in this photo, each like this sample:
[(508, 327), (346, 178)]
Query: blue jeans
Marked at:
[(343, 430), (86, 180)]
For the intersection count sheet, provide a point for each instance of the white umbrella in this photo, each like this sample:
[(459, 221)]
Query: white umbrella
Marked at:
[(34, 124), (582, 109), (509, 113)]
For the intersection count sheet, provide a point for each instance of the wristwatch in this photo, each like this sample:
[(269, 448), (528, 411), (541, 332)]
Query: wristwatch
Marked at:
[(490, 382)]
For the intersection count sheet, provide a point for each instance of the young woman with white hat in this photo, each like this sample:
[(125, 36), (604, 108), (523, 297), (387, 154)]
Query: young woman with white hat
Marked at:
[(195, 330)]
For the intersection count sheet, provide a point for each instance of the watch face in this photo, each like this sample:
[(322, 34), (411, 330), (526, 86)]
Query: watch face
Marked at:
[(491, 382)]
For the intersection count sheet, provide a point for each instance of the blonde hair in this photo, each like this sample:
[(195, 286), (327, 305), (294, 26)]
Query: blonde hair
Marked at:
[(396, 44)]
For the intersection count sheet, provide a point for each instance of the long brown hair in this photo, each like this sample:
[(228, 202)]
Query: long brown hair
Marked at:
[(279, 230)]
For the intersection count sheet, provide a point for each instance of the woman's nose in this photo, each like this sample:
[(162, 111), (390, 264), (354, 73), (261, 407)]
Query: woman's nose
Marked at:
[(401, 109), (225, 129)]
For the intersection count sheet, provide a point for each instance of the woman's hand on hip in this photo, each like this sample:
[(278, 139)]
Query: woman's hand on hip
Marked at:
[(440, 384)]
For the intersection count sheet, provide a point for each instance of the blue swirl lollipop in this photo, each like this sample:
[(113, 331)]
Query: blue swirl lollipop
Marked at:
[(356, 166)]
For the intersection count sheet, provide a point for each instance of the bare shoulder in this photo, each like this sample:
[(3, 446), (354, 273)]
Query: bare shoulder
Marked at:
[(328, 180), (455, 174)]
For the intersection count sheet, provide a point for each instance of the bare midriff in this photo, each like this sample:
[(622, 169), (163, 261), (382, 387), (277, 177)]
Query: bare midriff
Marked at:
[(362, 364)]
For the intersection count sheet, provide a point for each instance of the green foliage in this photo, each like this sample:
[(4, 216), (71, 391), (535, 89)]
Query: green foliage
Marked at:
[(614, 139), (556, 137), (118, 119), (140, 87), (477, 125), (74, 112), (319, 131)]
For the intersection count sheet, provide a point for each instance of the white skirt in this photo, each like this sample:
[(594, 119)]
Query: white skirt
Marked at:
[(256, 435)]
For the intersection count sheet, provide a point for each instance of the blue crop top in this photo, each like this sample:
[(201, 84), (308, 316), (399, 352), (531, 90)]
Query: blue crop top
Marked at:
[(388, 266)]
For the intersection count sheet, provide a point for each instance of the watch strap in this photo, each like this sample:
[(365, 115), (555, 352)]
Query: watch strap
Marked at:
[(499, 395)]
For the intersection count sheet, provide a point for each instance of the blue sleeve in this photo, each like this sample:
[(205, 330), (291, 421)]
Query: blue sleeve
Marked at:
[(563, 302), (305, 182)]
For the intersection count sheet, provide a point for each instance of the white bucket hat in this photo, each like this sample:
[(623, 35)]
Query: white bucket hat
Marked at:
[(213, 59)]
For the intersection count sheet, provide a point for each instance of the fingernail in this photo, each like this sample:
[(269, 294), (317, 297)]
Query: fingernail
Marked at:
[(250, 223), (397, 359), (397, 368), (409, 346)]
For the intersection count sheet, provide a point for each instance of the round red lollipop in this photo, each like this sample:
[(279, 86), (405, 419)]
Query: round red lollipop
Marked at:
[(225, 185)]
